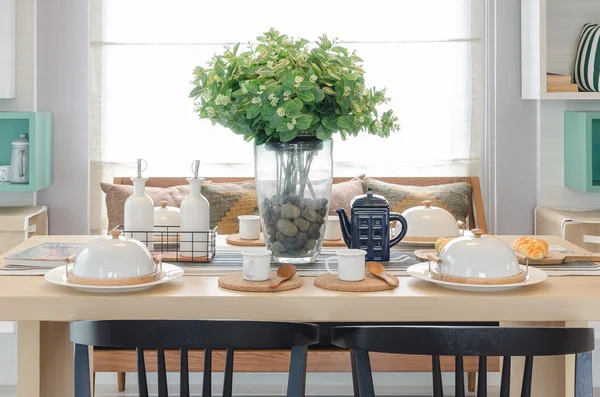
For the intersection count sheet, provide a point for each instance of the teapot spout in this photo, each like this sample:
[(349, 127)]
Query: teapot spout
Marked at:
[(345, 226)]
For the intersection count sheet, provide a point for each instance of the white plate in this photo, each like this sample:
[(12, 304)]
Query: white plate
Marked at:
[(421, 271), (169, 273)]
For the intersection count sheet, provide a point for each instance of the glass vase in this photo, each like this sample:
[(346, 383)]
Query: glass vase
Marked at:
[(293, 184)]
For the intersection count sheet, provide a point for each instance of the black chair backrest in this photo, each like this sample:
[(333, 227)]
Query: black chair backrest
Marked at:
[(194, 334), (460, 342)]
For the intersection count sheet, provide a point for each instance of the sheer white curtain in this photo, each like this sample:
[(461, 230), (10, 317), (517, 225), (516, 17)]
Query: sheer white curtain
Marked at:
[(428, 53)]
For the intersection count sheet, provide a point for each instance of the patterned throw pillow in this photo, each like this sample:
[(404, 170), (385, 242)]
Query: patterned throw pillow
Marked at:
[(342, 193), (587, 62), (227, 201), (453, 197)]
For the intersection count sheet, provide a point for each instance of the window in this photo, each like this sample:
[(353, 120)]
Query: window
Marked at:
[(428, 53)]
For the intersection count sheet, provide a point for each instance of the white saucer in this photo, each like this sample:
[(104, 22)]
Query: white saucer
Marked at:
[(421, 271), (169, 273)]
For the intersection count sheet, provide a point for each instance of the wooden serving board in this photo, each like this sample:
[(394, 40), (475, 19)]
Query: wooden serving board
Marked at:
[(234, 239), (553, 258)]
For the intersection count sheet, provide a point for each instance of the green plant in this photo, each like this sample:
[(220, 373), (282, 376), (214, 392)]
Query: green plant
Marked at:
[(281, 89)]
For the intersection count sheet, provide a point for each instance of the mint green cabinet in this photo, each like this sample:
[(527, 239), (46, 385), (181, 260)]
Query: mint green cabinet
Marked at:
[(38, 126), (582, 151)]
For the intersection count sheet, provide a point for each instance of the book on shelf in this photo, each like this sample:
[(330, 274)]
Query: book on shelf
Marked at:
[(46, 255), (560, 83)]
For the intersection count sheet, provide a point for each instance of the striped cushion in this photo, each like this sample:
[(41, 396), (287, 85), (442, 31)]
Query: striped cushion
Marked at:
[(587, 63)]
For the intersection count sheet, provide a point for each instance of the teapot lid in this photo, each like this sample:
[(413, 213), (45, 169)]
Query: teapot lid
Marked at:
[(370, 200), (21, 140)]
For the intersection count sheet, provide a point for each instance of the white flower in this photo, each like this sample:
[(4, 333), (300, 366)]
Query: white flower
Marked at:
[(271, 97), (346, 91), (293, 121), (274, 102), (256, 99), (221, 100), (290, 126), (244, 89), (281, 112), (207, 96), (378, 124), (210, 112), (313, 78), (286, 95), (261, 89), (270, 64), (298, 80), (361, 119)]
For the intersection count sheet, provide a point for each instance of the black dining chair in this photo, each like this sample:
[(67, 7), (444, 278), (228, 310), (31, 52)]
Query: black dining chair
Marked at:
[(467, 341), (187, 335)]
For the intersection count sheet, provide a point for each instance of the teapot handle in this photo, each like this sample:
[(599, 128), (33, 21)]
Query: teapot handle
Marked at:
[(397, 217)]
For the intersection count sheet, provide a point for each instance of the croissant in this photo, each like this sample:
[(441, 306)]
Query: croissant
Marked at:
[(441, 243), (533, 248)]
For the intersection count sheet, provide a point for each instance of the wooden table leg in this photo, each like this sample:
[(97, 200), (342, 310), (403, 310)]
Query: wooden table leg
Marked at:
[(552, 376), (45, 360)]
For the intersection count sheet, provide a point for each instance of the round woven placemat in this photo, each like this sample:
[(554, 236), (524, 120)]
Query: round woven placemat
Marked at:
[(369, 284), (236, 282)]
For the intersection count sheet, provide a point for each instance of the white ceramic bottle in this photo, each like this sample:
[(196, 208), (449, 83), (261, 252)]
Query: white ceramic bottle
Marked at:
[(139, 210), (194, 217)]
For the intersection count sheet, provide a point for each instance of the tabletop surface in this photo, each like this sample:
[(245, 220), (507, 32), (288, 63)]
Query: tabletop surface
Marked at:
[(196, 297)]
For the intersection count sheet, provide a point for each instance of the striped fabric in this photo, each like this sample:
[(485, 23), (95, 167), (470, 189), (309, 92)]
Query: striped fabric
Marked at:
[(587, 63)]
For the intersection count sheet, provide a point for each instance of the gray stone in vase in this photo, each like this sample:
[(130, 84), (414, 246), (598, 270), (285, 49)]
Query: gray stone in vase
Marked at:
[(310, 244), (280, 237), (278, 247), (314, 231), (272, 239), (293, 199), (266, 203), (290, 211), (288, 228), (302, 238), (302, 224), (322, 212), (274, 200), (309, 214), (292, 244), (270, 230), (320, 203), (319, 219)]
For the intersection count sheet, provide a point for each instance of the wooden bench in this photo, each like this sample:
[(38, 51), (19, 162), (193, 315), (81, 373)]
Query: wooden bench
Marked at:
[(321, 360)]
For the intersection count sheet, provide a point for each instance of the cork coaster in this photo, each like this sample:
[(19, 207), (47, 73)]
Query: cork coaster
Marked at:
[(369, 284), (236, 282), (234, 239)]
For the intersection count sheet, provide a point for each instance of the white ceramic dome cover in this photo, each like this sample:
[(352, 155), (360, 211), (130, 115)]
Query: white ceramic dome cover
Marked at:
[(430, 221), (478, 256), (114, 257), (165, 215)]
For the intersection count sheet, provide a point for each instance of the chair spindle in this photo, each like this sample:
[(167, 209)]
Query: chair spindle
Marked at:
[(184, 374), (505, 382), (297, 376), (482, 377), (363, 372), (142, 381), (207, 378), (583, 375), (459, 377), (436, 371), (162, 373), (228, 378), (527, 377), (82, 373)]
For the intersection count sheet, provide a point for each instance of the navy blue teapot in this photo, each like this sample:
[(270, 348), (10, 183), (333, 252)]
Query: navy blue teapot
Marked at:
[(369, 226)]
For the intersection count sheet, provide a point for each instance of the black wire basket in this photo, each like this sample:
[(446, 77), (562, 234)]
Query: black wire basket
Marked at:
[(175, 245)]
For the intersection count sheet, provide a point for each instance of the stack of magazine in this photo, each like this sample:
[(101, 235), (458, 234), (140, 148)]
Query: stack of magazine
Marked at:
[(41, 257)]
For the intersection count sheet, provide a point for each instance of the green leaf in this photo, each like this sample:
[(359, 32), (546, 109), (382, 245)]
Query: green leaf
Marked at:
[(276, 120), (252, 111), (329, 123), (318, 93), (328, 91), (252, 88), (283, 127), (352, 76), (306, 96), (235, 48), (303, 122), (293, 106), (345, 122), (195, 91), (287, 136), (305, 85), (323, 135)]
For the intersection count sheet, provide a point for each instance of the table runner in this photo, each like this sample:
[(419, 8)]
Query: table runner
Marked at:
[(229, 261)]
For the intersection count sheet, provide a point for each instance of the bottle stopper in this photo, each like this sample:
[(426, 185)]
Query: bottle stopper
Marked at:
[(195, 167), (139, 167)]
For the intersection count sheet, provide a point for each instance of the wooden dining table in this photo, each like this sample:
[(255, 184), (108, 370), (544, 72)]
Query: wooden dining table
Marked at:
[(43, 312)]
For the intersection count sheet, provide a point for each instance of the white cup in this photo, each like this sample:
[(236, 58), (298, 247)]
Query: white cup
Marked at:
[(332, 229), (4, 172), (249, 227), (351, 264), (257, 265)]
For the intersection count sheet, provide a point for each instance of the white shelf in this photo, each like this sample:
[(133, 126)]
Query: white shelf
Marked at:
[(550, 31)]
